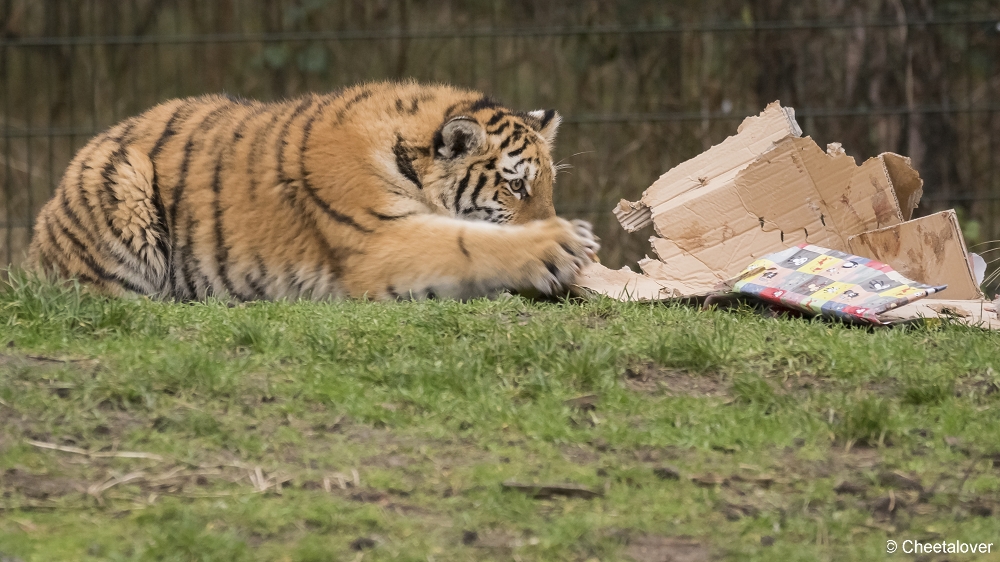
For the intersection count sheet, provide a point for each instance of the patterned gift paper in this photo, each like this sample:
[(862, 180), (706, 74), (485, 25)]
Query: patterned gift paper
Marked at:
[(821, 281)]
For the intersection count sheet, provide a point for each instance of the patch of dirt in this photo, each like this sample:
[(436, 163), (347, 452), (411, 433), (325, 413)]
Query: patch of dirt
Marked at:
[(578, 454), (546, 491), (649, 377), (396, 451), (865, 480), (12, 361), (363, 543), (44, 361), (103, 472), (857, 459), (656, 454), (737, 511), (389, 502), (496, 539), (116, 425), (390, 459), (43, 372), (854, 488), (596, 321), (862, 479), (656, 548), (509, 319), (38, 486), (667, 473), (977, 387), (31, 369), (801, 384)]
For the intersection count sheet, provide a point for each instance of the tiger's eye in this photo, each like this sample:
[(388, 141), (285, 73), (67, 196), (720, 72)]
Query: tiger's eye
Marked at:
[(517, 184)]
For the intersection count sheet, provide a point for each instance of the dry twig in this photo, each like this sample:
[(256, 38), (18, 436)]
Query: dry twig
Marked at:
[(95, 454)]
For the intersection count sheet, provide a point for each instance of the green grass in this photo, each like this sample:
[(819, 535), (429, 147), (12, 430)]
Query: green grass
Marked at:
[(303, 431)]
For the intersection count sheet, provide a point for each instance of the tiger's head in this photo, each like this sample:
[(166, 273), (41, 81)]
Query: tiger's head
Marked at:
[(490, 163)]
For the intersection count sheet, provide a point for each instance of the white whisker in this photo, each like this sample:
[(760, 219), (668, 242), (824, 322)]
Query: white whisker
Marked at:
[(986, 242), (572, 155)]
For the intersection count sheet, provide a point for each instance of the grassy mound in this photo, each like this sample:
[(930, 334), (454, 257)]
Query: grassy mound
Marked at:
[(142, 430)]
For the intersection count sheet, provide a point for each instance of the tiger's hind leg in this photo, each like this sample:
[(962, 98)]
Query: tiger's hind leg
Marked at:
[(106, 225)]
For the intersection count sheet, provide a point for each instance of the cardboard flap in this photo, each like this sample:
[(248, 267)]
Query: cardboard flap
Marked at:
[(979, 313), (714, 167), (868, 202), (906, 183), (622, 284), (787, 191), (683, 272), (930, 250)]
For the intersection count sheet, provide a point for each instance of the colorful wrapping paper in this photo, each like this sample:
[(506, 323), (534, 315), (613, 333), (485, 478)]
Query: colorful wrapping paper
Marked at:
[(818, 280)]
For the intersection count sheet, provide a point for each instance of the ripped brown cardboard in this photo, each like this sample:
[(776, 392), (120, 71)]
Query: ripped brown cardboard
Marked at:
[(792, 194), (978, 313), (623, 284), (712, 168), (758, 192), (930, 249)]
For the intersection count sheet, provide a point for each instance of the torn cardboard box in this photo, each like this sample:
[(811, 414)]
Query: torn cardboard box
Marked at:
[(929, 250), (766, 189), (623, 284)]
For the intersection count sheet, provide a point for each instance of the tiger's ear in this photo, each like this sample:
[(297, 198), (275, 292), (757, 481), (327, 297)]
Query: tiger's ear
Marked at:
[(546, 123), (459, 136)]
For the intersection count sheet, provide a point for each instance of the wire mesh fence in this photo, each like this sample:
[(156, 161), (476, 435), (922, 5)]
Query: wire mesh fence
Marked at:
[(642, 84)]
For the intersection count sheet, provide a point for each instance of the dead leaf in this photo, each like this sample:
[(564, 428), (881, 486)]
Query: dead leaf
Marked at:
[(79, 451), (762, 480)]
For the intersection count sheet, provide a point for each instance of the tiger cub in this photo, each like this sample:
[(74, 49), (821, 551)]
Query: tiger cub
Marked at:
[(382, 191)]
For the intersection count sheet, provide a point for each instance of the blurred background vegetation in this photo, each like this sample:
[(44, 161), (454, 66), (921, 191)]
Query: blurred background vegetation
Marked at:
[(642, 84)]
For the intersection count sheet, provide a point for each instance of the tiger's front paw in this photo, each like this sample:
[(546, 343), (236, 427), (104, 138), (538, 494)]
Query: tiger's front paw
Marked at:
[(564, 248)]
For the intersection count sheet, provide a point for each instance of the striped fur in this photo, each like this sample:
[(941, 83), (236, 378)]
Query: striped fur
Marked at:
[(384, 190)]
